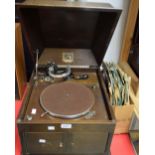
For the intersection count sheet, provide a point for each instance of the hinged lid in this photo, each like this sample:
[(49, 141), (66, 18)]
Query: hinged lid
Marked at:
[(69, 25)]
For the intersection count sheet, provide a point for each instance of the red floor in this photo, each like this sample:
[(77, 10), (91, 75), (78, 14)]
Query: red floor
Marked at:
[(120, 144)]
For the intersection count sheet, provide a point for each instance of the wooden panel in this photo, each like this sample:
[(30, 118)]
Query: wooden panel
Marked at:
[(122, 126), (134, 79), (70, 143), (71, 34), (129, 30), (88, 142), (20, 62), (31, 29), (82, 29), (135, 100), (44, 142), (83, 58), (64, 3)]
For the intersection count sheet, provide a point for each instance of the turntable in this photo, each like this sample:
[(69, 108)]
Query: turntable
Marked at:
[(66, 110)]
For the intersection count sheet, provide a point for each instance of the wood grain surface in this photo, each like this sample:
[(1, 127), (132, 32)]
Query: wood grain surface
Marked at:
[(19, 60)]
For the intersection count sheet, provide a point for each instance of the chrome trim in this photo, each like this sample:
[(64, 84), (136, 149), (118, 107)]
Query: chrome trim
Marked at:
[(68, 72)]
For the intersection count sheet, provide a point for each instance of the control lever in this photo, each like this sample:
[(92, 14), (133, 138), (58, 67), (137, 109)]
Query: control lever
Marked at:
[(80, 77), (36, 65)]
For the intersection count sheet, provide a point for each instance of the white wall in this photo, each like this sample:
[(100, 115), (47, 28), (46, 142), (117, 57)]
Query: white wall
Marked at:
[(114, 48)]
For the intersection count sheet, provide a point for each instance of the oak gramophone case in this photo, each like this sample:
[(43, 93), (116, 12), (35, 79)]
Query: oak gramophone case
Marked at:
[(66, 110)]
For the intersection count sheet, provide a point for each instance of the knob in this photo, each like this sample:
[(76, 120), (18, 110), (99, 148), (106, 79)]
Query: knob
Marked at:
[(72, 144), (29, 117)]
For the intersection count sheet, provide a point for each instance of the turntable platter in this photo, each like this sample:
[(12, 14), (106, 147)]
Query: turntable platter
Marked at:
[(67, 100)]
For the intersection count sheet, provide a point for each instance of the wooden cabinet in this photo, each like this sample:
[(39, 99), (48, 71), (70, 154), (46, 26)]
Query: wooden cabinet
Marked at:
[(55, 27)]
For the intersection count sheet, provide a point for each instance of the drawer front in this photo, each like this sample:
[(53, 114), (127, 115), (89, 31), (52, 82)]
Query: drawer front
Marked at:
[(87, 142), (44, 142)]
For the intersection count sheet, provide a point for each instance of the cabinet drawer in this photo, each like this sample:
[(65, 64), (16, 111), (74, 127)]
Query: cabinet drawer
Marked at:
[(44, 142), (87, 142)]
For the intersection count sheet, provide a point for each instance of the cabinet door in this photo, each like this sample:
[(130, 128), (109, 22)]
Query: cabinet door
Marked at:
[(41, 143), (87, 142)]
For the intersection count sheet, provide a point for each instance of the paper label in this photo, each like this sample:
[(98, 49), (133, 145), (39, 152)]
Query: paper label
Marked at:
[(66, 126), (51, 127), (42, 140), (68, 57), (34, 111)]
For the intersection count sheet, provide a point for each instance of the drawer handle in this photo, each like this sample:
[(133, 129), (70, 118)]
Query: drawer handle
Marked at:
[(42, 141), (61, 144)]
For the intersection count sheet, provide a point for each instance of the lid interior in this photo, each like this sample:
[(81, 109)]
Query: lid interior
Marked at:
[(52, 27)]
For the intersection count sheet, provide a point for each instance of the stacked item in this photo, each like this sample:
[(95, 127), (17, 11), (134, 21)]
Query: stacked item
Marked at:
[(117, 82), (118, 87)]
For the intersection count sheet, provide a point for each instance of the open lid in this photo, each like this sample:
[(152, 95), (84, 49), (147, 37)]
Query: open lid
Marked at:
[(62, 24)]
